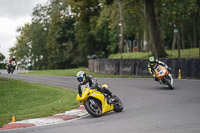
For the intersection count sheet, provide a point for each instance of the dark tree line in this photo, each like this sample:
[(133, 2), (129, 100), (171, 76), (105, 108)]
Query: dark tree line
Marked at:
[(63, 33)]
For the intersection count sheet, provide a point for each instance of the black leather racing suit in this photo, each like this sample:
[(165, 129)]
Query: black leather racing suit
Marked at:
[(92, 84)]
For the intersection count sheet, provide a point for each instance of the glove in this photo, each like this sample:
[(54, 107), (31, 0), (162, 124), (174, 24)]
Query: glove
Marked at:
[(154, 75), (166, 66)]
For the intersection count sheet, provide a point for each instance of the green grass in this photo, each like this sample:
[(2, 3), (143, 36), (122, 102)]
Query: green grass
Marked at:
[(184, 53), (72, 72), (58, 72), (28, 100), (136, 55)]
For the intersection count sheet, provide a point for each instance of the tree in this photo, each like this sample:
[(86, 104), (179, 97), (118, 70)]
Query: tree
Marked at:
[(183, 14), (158, 48), (2, 57), (2, 65), (60, 42), (64, 33), (121, 24), (37, 42), (107, 31), (86, 13)]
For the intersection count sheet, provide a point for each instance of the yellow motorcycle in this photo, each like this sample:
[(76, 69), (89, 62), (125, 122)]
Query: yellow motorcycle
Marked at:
[(97, 103)]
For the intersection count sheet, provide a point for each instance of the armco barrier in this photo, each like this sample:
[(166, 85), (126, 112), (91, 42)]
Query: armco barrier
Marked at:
[(190, 68)]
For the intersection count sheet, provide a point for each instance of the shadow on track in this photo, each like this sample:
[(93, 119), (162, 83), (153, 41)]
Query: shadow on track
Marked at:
[(162, 88)]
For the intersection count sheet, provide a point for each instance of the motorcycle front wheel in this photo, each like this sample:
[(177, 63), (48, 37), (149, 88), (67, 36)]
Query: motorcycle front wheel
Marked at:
[(93, 108), (167, 82), (12, 70), (8, 70)]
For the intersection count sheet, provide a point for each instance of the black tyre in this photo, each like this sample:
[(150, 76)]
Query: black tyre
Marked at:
[(93, 107), (12, 69), (8, 70), (167, 82), (118, 106)]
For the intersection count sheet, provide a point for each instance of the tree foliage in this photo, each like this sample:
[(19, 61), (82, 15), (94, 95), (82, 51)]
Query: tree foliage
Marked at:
[(63, 33), (2, 57)]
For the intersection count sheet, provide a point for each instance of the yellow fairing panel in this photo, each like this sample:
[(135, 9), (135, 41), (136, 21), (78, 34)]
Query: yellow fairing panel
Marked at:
[(105, 106), (96, 94), (78, 98)]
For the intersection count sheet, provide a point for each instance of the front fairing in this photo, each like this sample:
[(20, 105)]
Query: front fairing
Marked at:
[(161, 72), (87, 92), (85, 95)]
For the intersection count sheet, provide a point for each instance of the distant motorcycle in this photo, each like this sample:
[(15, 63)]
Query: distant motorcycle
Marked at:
[(11, 67), (164, 77)]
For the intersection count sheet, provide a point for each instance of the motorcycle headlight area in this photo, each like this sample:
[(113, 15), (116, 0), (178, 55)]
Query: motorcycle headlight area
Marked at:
[(161, 72)]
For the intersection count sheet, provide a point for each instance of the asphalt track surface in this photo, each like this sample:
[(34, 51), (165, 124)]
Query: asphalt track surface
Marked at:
[(148, 107)]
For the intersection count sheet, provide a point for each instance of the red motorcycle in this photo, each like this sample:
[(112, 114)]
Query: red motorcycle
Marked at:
[(11, 67)]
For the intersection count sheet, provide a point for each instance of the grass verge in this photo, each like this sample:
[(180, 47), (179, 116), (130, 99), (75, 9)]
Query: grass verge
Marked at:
[(29, 100)]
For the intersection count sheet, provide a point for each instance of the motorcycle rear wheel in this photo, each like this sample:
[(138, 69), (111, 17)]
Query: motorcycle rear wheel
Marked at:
[(118, 106), (93, 107)]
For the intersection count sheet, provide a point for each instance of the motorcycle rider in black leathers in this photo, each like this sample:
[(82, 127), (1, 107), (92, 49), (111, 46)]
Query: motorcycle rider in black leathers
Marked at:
[(89, 81)]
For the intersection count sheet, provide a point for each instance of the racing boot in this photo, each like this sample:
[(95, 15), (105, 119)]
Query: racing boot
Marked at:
[(111, 99)]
